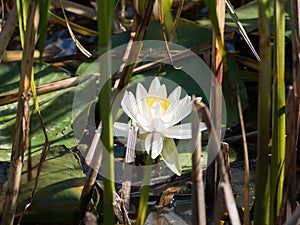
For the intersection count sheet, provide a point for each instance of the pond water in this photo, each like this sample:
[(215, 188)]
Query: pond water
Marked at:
[(177, 209)]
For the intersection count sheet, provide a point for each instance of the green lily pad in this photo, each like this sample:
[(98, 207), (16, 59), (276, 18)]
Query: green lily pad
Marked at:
[(248, 16), (58, 192), (56, 110), (188, 34)]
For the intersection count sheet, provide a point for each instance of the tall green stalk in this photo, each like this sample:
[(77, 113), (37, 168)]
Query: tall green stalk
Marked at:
[(278, 112), (105, 18), (261, 212), (43, 24), (143, 204), (22, 8)]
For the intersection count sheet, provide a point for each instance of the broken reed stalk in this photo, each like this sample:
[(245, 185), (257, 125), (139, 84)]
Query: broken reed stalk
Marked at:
[(225, 183), (135, 51), (228, 194), (8, 30), (23, 117), (198, 200), (246, 162), (217, 17), (94, 166), (46, 88), (129, 159), (211, 185), (166, 27)]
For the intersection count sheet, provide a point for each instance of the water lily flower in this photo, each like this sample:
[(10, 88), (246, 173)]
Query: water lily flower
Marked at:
[(157, 116)]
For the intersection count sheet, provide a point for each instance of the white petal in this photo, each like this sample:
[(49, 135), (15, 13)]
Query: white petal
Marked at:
[(156, 110), (182, 109), (175, 95), (169, 115), (141, 95), (157, 125), (154, 142), (143, 122), (141, 92), (161, 92), (182, 131), (145, 110), (155, 84), (120, 129), (177, 112), (129, 105)]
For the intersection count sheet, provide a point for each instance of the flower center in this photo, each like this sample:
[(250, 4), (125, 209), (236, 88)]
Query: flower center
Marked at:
[(163, 103)]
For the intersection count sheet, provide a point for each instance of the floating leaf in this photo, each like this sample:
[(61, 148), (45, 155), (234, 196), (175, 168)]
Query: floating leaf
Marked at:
[(58, 192), (248, 16), (56, 109)]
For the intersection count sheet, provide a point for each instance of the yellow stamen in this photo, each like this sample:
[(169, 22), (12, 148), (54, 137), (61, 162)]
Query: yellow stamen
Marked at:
[(152, 99), (165, 104)]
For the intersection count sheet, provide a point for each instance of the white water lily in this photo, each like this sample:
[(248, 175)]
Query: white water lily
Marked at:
[(157, 116)]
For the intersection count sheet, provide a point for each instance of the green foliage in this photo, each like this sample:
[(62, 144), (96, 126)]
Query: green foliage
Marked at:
[(56, 108), (43, 24), (262, 192), (105, 20), (248, 15), (188, 34), (22, 9), (58, 192), (278, 113), (143, 203)]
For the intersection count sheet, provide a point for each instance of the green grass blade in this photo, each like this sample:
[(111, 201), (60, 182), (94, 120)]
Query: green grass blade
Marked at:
[(278, 113), (143, 204), (105, 20), (22, 8), (43, 23), (261, 211)]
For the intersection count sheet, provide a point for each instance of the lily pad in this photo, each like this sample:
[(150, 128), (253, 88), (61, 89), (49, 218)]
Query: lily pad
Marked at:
[(56, 110), (188, 34), (58, 192), (248, 16)]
